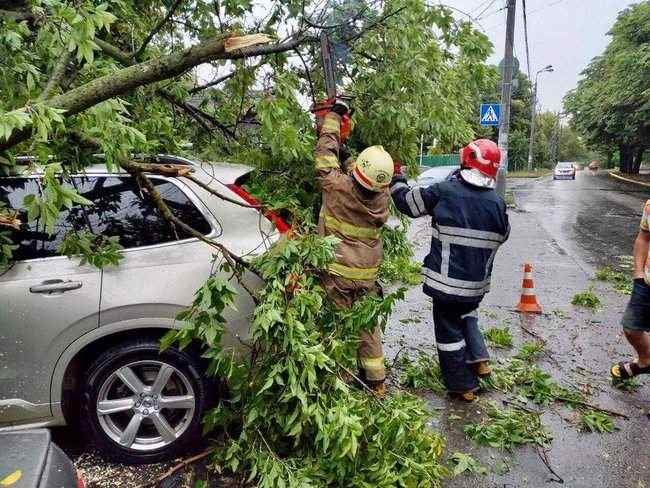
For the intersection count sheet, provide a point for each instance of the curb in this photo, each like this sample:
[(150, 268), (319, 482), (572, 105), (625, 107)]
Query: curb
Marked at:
[(628, 180)]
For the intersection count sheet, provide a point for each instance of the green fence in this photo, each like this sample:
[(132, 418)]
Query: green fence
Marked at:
[(441, 160)]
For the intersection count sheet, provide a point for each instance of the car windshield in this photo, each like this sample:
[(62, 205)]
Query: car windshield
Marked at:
[(565, 165)]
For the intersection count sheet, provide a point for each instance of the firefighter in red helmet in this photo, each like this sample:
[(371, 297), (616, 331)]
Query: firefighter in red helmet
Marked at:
[(469, 225)]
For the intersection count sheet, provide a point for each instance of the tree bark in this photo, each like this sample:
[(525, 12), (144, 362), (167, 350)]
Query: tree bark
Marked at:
[(638, 159), (626, 152), (165, 67)]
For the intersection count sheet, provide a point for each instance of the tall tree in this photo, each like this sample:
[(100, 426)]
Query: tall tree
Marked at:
[(611, 104)]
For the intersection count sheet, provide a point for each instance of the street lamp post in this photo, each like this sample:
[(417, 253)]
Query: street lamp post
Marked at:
[(533, 110)]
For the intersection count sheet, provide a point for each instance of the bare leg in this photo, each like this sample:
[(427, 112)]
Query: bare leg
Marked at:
[(640, 341)]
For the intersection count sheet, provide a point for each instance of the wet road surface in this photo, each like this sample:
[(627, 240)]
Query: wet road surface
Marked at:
[(596, 217), (566, 229)]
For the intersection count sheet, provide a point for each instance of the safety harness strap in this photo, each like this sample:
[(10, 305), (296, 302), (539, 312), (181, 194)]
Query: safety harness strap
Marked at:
[(364, 274), (350, 230)]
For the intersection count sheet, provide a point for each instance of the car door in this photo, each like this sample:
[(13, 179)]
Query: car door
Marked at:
[(162, 266), (46, 302)]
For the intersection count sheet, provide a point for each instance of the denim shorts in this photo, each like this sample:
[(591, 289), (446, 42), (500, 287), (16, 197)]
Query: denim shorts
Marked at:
[(637, 313)]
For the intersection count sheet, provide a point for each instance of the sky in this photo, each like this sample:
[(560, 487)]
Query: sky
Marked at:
[(564, 33)]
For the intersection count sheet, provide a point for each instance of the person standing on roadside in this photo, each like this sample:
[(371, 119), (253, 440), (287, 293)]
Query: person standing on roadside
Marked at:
[(470, 223), (636, 319)]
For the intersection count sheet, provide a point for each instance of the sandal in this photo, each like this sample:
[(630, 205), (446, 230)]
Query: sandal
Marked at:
[(626, 370)]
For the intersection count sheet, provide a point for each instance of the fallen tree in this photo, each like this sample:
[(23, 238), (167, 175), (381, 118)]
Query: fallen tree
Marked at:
[(82, 82)]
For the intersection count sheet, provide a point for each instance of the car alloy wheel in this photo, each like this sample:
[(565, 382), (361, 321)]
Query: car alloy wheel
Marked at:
[(145, 405)]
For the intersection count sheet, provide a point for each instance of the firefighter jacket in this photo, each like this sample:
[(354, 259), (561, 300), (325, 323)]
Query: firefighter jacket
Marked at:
[(469, 225), (349, 212)]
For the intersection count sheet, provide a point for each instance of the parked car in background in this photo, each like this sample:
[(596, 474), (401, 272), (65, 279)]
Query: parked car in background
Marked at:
[(564, 170), (434, 175), (594, 165), (29, 459), (82, 344)]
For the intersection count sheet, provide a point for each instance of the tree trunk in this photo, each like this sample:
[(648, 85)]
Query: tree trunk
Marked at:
[(626, 152), (157, 69), (638, 158)]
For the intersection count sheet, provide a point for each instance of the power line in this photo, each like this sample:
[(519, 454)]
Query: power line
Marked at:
[(478, 16), (479, 6), (526, 40), (494, 12)]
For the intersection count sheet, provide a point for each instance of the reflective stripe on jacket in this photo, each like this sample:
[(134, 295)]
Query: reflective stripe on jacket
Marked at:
[(469, 226), (349, 213)]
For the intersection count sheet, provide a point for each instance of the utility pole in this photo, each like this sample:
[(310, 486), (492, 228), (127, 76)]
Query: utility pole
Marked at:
[(533, 112), (506, 93), (555, 143)]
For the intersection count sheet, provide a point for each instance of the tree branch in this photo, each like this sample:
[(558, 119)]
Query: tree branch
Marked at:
[(195, 113), (221, 79), (17, 15), (235, 262), (57, 74), (182, 171), (127, 79), (156, 29)]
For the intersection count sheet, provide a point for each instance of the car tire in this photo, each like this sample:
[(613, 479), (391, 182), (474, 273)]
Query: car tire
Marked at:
[(146, 427)]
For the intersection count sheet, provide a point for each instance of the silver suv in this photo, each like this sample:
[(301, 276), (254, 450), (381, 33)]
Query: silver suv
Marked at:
[(79, 343)]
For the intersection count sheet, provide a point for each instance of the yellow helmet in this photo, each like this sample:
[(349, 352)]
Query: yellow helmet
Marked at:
[(374, 168)]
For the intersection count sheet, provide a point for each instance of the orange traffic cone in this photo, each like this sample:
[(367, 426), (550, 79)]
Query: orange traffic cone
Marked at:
[(528, 301)]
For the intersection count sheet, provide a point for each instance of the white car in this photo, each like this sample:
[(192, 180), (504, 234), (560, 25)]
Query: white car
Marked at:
[(435, 175), (80, 343), (564, 170)]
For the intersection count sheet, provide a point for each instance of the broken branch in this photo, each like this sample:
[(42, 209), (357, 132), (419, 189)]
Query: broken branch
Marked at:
[(177, 467), (162, 68), (234, 261)]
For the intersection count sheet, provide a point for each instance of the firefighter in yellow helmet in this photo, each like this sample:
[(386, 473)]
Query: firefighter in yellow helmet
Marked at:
[(354, 208)]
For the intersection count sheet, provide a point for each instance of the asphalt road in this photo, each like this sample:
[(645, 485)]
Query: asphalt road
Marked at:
[(595, 217), (566, 229)]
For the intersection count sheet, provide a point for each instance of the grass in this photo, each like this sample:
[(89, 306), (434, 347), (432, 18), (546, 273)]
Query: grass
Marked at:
[(499, 337), (586, 299), (424, 373), (622, 281), (507, 428)]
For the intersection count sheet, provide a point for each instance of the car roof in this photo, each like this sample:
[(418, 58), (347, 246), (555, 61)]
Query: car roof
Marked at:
[(221, 171)]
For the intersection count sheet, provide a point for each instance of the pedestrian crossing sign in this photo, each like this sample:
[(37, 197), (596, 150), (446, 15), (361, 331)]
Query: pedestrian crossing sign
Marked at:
[(490, 113)]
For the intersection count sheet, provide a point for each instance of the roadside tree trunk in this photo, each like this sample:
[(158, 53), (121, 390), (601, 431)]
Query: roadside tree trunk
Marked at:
[(626, 152), (638, 159)]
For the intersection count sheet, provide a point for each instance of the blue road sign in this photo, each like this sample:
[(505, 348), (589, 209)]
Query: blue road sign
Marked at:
[(490, 113)]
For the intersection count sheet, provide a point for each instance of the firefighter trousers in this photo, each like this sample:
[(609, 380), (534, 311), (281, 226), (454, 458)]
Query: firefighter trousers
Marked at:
[(460, 344), (370, 354)]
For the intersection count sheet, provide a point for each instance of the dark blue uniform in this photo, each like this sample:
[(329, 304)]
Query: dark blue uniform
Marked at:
[(469, 225)]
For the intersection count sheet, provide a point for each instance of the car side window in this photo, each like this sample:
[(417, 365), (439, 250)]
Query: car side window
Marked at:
[(119, 210), (32, 239)]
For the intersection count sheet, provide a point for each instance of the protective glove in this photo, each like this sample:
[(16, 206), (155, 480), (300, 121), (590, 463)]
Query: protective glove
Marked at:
[(397, 168)]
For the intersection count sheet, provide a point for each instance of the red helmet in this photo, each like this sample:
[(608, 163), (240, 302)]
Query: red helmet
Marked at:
[(482, 155)]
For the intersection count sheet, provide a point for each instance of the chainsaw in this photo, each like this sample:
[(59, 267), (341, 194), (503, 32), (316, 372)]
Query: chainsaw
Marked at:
[(322, 108)]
